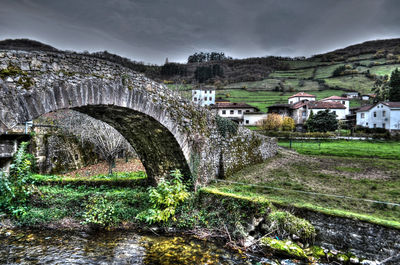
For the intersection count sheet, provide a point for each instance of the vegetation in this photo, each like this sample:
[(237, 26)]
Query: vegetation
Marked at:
[(288, 124), (394, 86), (273, 122), (165, 198), (343, 148), (323, 121)]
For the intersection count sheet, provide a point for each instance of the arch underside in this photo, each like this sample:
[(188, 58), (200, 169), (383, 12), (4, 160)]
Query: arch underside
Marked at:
[(155, 145)]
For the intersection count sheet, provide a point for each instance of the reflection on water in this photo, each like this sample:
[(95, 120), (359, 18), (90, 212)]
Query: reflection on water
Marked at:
[(52, 247)]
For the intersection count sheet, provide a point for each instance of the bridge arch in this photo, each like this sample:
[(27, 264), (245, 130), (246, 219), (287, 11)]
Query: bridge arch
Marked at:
[(167, 131)]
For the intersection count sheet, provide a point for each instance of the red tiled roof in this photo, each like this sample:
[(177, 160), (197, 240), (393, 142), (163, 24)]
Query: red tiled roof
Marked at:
[(365, 108), (230, 105), (335, 98), (325, 105), (298, 105), (302, 94)]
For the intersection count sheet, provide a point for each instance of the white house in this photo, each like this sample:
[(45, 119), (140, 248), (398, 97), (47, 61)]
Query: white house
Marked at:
[(380, 115), (343, 100), (253, 118), (235, 111), (336, 107), (352, 94), (301, 97), (367, 97), (203, 97)]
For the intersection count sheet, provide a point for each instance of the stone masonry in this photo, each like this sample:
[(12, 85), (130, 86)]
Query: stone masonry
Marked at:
[(167, 131)]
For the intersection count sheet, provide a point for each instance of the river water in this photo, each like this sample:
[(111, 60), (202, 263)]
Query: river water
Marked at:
[(20, 246)]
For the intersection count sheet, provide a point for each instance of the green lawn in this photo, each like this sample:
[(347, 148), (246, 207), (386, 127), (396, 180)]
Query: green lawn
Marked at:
[(326, 71), (386, 150), (296, 74), (357, 82)]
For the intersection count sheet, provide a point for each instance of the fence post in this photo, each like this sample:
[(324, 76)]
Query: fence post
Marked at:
[(290, 143)]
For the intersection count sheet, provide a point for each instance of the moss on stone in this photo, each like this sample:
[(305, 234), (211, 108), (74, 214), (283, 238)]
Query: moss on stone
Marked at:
[(288, 223), (342, 258), (283, 247), (12, 70), (317, 252)]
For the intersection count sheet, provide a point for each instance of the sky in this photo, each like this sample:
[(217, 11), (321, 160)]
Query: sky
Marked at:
[(152, 30)]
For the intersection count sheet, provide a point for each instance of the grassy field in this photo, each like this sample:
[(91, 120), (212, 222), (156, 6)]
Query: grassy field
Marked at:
[(296, 74), (385, 150), (262, 99), (286, 178), (357, 82), (384, 69)]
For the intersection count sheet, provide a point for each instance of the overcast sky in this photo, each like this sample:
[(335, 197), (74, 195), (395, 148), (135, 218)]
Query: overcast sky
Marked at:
[(151, 30)]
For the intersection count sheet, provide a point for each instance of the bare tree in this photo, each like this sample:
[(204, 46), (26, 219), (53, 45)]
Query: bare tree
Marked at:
[(107, 140)]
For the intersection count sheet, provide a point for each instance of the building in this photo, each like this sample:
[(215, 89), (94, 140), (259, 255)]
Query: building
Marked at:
[(380, 115), (354, 95), (203, 97), (336, 107), (253, 118), (236, 112), (301, 97), (342, 100), (367, 97)]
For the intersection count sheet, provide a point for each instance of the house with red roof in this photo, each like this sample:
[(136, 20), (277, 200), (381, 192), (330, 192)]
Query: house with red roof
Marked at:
[(380, 115), (343, 100), (241, 113), (301, 97)]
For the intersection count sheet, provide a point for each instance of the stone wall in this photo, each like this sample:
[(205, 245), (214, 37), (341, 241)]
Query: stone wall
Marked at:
[(363, 239), (167, 131)]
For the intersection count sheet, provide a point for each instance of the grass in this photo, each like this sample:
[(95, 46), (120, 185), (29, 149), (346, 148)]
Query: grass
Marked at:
[(357, 82), (58, 202), (263, 99), (385, 150), (384, 69), (124, 179), (284, 180), (296, 74)]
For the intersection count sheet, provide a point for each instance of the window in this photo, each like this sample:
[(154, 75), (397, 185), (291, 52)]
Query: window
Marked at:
[(195, 92), (374, 113), (195, 99), (383, 125), (240, 111), (247, 110), (383, 114), (374, 125), (362, 115), (304, 113), (210, 98), (247, 121), (367, 123), (334, 112), (291, 102), (343, 102), (205, 98), (232, 112), (223, 112)]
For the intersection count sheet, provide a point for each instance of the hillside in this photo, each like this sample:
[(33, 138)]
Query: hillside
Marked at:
[(263, 81)]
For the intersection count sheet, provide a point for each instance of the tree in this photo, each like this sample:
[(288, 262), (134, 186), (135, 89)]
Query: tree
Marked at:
[(288, 124), (339, 71), (273, 122), (323, 121), (394, 86), (381, 89), (108, 142)]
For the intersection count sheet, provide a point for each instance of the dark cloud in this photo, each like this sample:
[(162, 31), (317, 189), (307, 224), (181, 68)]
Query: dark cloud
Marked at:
[(153, 30)]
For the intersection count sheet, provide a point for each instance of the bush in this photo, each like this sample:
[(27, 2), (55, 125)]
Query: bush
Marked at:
[(323, 121), (100, 213), (165, 198), (339, 71), (273, 122), (288, 124), (14, 187)]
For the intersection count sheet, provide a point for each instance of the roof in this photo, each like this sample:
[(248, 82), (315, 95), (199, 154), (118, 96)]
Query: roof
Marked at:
[(254, 113), (298, 105), (365, 108), (391, 104), (325, 105), (369, 95), (335, 98), (302, 94), (230, 105)]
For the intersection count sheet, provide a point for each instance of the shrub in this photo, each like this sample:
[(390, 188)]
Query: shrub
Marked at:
[(273, 122), (323, 121), (14, 187), (165, 198), (100, 213), (339, 71), (288, 124)]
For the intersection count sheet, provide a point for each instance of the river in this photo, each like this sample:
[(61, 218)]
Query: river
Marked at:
[(23, 246)]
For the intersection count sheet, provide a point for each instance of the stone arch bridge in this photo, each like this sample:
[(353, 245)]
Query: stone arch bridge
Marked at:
[(167, 131)]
